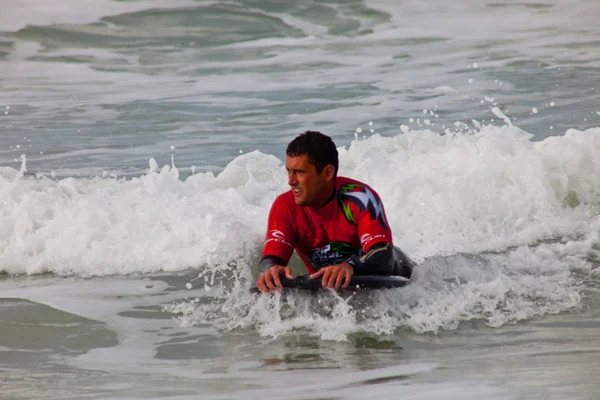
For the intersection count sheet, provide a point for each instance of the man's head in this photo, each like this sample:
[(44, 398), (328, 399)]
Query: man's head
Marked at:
[(312, 164)]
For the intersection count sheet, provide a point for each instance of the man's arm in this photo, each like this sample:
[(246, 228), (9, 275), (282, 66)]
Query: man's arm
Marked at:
[(279, 246), (268, 261), (379, 260), (375, 236)]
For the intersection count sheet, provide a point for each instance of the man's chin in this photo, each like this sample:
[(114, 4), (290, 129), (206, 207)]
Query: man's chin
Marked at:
[(300, 200)]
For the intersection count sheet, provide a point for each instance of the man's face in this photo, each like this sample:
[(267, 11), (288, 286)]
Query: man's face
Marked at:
[(308, 186)]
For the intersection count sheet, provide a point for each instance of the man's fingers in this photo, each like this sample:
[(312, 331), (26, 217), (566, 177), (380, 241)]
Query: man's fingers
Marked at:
[(342, 277), (260, 283), (335, 276), (276, 279), (347, 277), (324, 276), (318, 273), (327, 278), (269, 280), (288, 273)]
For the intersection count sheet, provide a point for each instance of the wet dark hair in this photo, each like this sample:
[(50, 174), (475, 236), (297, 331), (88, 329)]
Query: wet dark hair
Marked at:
[(320, 149)]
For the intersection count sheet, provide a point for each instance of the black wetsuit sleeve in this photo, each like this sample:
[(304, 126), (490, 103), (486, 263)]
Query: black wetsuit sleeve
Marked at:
[(379, 260), (268, 261)]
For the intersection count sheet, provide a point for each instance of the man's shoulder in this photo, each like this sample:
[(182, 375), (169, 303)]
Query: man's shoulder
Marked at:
[(285, 200), (343, 180), (345, 185), (364, 200)]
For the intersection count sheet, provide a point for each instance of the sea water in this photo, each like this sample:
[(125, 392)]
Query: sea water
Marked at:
[(142, 144)]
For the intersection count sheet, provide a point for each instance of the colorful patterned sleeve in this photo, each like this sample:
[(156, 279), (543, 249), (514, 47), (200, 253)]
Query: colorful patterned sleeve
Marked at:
[(369, 216)]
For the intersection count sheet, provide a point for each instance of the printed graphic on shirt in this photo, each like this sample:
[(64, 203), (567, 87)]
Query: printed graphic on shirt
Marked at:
[(368, 238), (275, 235), (330, 254), (364, 200)]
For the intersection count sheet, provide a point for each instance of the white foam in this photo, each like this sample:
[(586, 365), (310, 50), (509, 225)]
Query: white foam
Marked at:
[(497, 289), (524, 214), (501, 115), (156, 222), (454, 193)]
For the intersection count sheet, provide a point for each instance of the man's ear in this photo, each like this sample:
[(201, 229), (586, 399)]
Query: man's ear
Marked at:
[(329, 172)]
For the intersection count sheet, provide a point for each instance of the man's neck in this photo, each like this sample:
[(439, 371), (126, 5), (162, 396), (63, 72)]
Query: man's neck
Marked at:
[(329, 198)]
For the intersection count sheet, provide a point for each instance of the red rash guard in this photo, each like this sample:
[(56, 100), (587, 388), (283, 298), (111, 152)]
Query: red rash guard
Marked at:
[(353, 221)]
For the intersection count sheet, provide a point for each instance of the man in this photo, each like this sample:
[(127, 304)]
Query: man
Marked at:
[(336, 225)]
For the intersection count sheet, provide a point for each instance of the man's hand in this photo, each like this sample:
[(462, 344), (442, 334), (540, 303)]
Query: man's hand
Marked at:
[(335, 276), (269, 280)]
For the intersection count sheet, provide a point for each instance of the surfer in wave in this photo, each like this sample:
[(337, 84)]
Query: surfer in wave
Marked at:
[(337, 225)]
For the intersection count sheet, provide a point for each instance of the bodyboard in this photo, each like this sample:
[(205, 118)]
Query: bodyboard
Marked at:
[(357, 282)]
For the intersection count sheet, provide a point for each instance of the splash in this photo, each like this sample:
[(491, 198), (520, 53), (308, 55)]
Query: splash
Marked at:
[(444, 194), (502, 227), (494, 289)]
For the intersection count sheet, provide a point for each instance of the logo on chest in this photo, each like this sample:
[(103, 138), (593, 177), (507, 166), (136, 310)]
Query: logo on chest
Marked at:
[(330, 254)]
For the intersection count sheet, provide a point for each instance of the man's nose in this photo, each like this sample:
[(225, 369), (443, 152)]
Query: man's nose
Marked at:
[(291, 179)]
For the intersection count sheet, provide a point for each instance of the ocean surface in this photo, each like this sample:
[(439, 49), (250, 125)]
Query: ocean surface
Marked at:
[(142, 144)]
